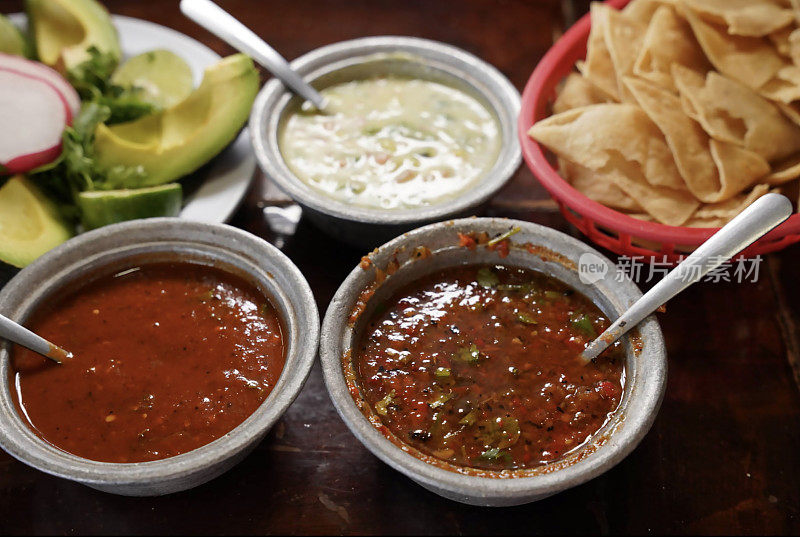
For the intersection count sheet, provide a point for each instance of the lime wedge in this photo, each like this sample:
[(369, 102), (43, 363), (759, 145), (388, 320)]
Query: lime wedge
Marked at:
[(29, 223), (164, 78), (103, 207)]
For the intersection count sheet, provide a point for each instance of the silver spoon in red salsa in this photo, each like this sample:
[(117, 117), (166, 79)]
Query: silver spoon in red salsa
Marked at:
[(749, 226), (17, 333)]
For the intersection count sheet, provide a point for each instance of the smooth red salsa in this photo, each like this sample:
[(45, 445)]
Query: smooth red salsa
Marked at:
[(167, 358), (478, 366)]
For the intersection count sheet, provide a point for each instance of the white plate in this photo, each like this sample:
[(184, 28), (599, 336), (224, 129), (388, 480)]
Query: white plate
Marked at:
[(226, 178)]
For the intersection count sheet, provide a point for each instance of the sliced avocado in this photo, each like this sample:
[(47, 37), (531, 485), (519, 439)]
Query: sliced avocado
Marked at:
[(29, 223), (11, 39), (63, 31), (103, 207), (164, 77), (178, 140)]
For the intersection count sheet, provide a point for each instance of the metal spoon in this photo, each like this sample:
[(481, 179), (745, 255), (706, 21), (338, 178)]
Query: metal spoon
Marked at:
[(22, 336), (750, 225), (222, 24)]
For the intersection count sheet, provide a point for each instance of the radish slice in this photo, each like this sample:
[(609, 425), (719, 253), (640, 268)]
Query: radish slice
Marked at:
[(33, 115), (40, 70)]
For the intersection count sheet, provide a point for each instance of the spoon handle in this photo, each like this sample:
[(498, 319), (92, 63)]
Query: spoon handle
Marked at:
[(750, 225), (220, 23), (22, 336)]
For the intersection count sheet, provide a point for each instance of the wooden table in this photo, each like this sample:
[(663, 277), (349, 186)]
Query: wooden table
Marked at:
[(722, 457)]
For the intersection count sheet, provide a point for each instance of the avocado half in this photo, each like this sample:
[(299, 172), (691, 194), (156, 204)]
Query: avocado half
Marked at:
[(178, 140), (30, 224), (63, 31)]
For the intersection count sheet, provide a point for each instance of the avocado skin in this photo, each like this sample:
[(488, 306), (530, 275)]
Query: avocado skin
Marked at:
[(89, 15), (176, 141)]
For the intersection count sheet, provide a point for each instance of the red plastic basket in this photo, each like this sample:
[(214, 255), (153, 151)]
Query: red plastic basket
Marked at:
[(606, 227)]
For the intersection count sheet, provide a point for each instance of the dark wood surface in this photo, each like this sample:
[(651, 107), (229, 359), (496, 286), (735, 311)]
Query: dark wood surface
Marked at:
[(722, 457)]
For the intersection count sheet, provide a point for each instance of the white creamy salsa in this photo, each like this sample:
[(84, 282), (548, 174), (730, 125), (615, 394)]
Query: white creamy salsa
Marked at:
[(391, 142)]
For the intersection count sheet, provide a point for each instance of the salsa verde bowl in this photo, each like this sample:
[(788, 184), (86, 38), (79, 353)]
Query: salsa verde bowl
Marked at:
[(151, 241), (406, 57), (404, 260)]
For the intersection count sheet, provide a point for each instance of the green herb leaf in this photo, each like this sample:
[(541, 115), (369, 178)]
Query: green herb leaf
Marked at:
[(526, 318), (442, 372), (491, 453), (470, 418), (441, 399), (92, 80), (510, 432), (553, 295), (584, 324), (382, 406), (486, 277), (470, 354), (495, 454), (76, 168)]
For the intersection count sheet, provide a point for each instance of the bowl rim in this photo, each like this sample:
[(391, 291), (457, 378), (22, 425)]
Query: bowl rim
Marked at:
[(501, 96), (534, 101), (18, 440), (620, 443)]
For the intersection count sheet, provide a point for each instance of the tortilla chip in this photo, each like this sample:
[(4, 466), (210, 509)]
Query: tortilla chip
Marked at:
[(642, 11), (784, 86), (589, 135), (733, 206), (719, 214), (686, 139), (750, 60), (738, 168), (597, 187), (780, 38), (713, 170), (642, 216), (577, 92), (669, 40), (794, 46), (731, 112), (624, 38), (792, 111), (743, 17), (785, 171), (598, 67), (665, 205)]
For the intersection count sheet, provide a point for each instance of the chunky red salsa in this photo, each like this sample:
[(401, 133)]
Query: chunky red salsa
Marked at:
[(477, 366), (167, 358)]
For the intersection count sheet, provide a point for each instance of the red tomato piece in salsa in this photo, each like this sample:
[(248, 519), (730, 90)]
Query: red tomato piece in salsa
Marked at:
[(167, 358), (478, 366)]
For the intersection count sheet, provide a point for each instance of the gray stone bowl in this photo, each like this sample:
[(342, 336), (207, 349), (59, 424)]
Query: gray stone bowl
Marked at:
[(547, 251), (403, 56), (152, 240)]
